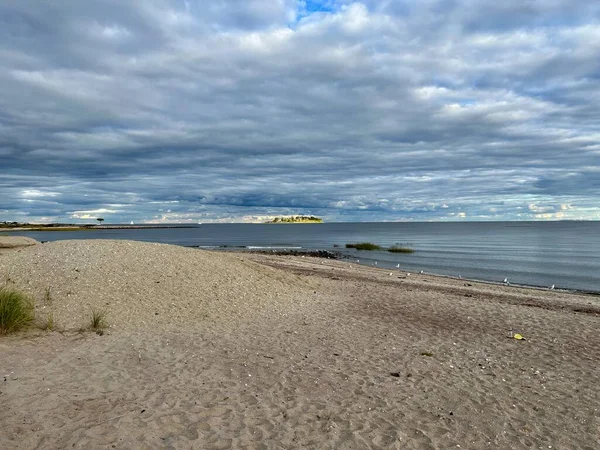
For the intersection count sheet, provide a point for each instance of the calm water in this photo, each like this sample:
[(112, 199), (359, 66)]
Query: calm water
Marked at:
[(566, 254)]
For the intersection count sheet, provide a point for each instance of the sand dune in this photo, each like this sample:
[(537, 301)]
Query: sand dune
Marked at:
[(16, 241), (214, 350), (145, 285)]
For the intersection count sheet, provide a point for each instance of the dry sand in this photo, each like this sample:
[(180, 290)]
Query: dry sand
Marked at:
[(217, 350), (16, 241)]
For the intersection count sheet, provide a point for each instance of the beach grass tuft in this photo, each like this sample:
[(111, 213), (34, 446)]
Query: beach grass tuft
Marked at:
[(98, 319), (47, 296), (399, 249), (364, 246), (16, 310), (49, 324)]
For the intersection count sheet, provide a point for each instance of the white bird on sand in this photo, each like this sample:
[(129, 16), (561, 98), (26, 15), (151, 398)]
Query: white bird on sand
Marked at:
[(421, 271), (375, 262), (398, 265), (358, 260), (408, 274), (506, 281), (460, 276), (552, 287)]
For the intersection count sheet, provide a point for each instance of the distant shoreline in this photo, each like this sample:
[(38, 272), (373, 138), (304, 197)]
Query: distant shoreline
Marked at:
[(73, 227)]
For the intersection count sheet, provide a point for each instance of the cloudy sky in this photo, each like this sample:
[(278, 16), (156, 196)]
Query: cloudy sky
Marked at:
[(231, 110)]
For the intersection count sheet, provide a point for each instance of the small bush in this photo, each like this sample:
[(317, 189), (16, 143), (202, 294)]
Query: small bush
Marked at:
[(98, 319), (398, 249), (16, 310), (364, 246)]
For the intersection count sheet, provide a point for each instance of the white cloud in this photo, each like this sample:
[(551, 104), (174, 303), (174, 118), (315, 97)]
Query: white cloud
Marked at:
[(93, 214), (35, 193)]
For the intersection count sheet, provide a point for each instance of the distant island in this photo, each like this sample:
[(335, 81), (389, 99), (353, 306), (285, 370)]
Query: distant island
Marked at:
[(296, 219)]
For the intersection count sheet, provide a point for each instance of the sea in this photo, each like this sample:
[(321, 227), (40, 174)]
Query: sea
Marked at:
[(565, 254)]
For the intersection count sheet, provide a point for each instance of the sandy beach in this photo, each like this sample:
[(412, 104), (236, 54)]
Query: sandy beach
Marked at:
[(207, 350)]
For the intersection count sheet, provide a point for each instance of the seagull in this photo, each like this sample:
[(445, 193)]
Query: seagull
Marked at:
[(552, 287), (506, 281), (358, 260), (460, 277), (408, 274), (375, 262), (398, 265), (421, 271)]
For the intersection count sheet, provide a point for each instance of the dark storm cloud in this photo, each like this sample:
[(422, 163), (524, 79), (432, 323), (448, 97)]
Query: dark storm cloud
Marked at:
[(387, 110)]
